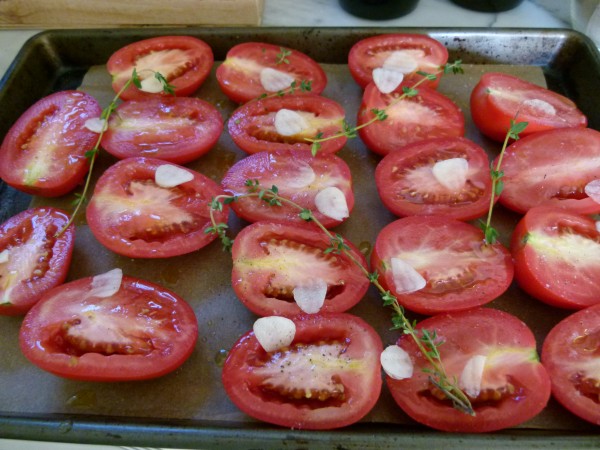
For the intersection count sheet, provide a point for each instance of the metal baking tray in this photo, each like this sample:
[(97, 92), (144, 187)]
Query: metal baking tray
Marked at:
[(189, 408)]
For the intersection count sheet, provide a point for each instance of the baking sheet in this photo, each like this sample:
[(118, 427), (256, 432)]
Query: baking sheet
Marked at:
[(193, 393)]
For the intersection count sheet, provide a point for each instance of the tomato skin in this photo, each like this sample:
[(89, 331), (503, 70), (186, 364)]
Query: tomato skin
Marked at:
[(252, 128), (43, 153), (569, 354), (170, 326), (370, 53), (362, 384), (184, 61), (271, 258), (552, 168), (239, 75), (175, 129), (427, 115), (133, 216), (480, 331), (283, 168), (29, 236), (556, 253), (406, 171), (461, 275), (498, 97)]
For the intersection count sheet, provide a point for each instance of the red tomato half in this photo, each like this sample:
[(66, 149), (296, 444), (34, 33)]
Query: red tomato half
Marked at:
[(143, 331), (175, 129), (460, 270), (299, 177), (557, 257), (132, 215), (32, 258), (570, 355), (43, 153), (498, 97), (240, 74), (412, 52), (252, 126), (184, 61), (407, 186), (427, 115), (271, 259), (329, 377), (552, 168), (514, 387)]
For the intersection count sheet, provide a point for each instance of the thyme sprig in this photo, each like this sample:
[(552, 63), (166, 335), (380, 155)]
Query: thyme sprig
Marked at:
[(303, 86), (350, 131), (282, 56)]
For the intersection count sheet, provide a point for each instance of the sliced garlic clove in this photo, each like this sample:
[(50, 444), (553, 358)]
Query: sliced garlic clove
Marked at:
[(4, 256), (106, 284), (541, 106), (406, 278), (310, 295), (401, 61), (273, 80), (289, 123), (387, 80), (451, 173), (274, 332), (151, 85), (96, 125), (168, 175), (304, 176), (396, 363), (592, 190), (472, 374), (331, 202)]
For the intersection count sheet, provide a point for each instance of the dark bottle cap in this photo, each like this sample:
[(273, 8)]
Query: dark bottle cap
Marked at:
[(378, 9)]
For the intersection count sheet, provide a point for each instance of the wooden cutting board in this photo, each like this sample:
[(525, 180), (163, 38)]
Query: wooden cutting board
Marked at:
[(118, 13)]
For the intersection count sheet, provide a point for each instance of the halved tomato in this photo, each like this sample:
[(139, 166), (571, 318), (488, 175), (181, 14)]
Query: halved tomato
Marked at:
[(408, 53), (460, 270), (132, 215), (571, 357), (43, 153), (407, 186), (329, 377), (175, 129), (499, 97), (272, 259), (184, 61), (557, 257), (141, 331), (249, 69), (32, 258), (514, 387), (299, 177), (252, 126), (552, 168), (426, 115)]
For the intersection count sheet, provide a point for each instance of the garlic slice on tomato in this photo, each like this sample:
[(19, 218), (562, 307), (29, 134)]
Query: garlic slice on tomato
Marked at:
[(310, 295), (451, 173), (331, 202), (96, 125), (406, 278), (592, 190), (106, 284), (169, 175), (396, 363), (387, 80), (289, 123), (472, 374), (4, 256), (273, 80), (151, 85), (274, 332), (401, 61)]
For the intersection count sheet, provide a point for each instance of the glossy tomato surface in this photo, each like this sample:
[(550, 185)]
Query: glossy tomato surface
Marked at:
[(240, 74), (426, 115), (132, 215), (407, 186), (299, 177), (460, 270), (557, 257), (142, 331), (498, 97), (271, 259), (329, 377), (514, 386), (552, 168), (184, 61), (175, 129), (32, 258), (43, 153), (409, 53), (570, 355), (252, 126)]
